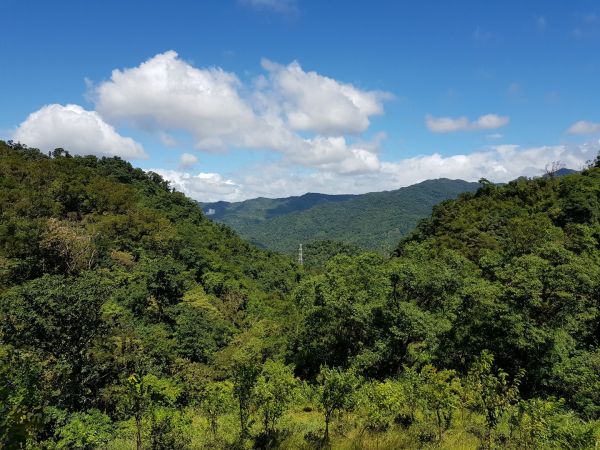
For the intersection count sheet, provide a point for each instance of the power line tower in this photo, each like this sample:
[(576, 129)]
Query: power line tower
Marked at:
[(300, 259)]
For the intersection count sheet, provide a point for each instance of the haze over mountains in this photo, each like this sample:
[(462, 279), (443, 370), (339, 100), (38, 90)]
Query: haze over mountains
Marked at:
[(374, 221)]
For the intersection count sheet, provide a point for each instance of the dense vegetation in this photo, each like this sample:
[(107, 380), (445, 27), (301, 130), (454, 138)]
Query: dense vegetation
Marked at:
[(129, 320), (374, 221)]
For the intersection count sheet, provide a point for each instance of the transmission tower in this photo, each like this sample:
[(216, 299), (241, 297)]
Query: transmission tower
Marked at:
[(300, 259)]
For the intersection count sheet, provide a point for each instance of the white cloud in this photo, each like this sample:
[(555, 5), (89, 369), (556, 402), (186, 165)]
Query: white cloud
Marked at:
[(490, 121), (187, 160), (495, 136), (167, 94), (170, 94), (206, 187), (449, 124), (584, 127), (76, 130), (333, 153), (498, 164), (313, 102), (446, 124), (280, 6)]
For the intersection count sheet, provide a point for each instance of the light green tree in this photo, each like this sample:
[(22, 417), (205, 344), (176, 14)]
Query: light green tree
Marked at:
[(493, 392), (336, 390), (216, 399), (275, 388), (441, 393)]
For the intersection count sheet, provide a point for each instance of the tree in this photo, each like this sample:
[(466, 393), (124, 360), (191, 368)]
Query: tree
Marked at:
[(551, 169), (200, 331), (216, 400), (546, 423), (245, 375), (21, 398), (138, 402), (166, 430), (61, 318), (338, 309), (144, 394), (335, 393), (493, 392), (441, 391), (166, 282), (68, 247), (275, 388), (86, 431), (380, 402)]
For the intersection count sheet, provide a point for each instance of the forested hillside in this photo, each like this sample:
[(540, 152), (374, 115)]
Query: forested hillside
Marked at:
[(130, 321), (373, 221)]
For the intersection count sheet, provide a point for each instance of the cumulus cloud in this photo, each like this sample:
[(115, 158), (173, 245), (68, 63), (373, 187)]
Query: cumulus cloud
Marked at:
[(449, 124), (170, 94), (77, 130), (584, 127), (498, 163), (313, 102), (333, 153), (187, 160)]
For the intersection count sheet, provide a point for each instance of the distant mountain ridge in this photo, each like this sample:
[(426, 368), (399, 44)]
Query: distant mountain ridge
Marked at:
[(266, 208), (376, 220), (565, 171)]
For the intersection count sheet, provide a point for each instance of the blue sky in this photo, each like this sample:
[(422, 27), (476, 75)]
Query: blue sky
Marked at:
[(234, 99)]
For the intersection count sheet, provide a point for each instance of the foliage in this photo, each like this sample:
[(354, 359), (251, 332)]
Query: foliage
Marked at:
[(441, 392), (380, 403), (546, 424), (274, 390), (166, 433), (129, 319), (245, 376), (85, 431), (493, 392), (216, 400), (336, 390)]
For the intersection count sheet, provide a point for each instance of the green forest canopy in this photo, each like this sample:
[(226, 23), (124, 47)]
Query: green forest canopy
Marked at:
[(127, 319)]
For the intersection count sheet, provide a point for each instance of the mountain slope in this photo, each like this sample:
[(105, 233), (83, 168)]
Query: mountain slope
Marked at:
[(258, 209), (376, 220)]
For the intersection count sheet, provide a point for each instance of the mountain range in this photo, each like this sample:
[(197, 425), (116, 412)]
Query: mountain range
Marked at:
[(375, 221)]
